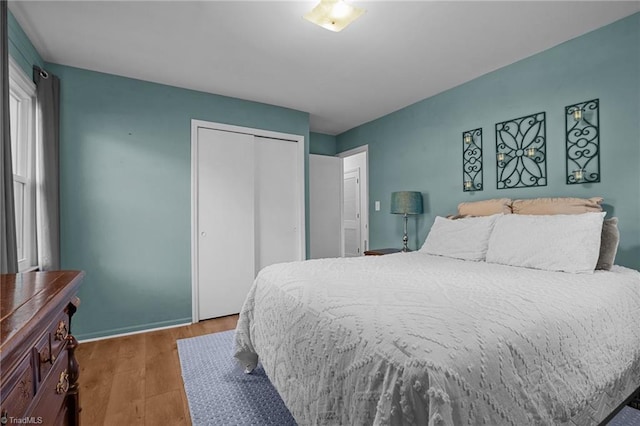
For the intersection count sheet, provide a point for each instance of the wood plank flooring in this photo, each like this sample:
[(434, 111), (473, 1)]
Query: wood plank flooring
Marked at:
[(136, 380)]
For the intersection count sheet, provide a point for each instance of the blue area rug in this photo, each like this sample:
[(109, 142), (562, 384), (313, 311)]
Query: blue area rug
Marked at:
[(626, 417), (218, 390), (220, 393)]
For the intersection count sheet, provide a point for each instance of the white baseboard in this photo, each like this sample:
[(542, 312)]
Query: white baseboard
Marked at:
[(131, 333)]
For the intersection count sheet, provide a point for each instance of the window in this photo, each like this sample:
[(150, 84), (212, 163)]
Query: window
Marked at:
[(22, 115)]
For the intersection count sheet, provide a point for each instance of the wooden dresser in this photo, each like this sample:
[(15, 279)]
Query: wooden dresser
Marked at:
[(38, 368)]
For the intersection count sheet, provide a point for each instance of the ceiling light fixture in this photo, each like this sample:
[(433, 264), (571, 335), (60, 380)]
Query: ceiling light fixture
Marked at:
[(333, 15)]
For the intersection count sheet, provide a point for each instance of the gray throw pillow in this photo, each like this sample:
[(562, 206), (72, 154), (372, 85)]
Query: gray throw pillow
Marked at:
[(608, 244)]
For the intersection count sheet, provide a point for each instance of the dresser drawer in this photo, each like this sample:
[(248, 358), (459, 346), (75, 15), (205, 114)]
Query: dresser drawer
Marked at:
[(15, 401), (50, 345), (52, 392)]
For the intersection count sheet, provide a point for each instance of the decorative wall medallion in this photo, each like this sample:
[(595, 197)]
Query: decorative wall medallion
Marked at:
[(472, 160), (582, 128), (521, 152)]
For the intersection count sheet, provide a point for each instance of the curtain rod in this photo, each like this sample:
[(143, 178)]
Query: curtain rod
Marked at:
[(42, 72)]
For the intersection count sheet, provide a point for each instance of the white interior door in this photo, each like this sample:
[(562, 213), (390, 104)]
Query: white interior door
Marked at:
[(325, 203), (352, 240), (225, 221), (277, 207), (357, 159)]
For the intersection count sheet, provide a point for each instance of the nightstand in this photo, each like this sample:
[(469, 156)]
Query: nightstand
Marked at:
[(381, 252)]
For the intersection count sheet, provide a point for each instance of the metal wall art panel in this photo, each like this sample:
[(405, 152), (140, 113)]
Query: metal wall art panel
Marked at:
[(582, 127), (521, 153), (472, 160)]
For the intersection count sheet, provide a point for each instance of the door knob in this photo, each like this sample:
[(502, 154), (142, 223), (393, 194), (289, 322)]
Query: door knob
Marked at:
[(203, 234)]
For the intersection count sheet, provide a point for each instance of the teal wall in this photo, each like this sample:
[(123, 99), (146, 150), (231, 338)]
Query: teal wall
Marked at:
[(322, 144), (20, 47), (419, 147), (125, 188), (125, 149)]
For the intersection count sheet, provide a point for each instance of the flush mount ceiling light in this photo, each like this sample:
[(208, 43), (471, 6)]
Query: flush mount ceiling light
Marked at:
[(334, 15)]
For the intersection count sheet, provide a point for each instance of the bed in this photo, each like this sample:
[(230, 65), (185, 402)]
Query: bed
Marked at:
[(417, 339)]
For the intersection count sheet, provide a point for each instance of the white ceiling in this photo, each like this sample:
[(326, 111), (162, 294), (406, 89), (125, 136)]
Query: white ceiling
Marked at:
[(396, 54)]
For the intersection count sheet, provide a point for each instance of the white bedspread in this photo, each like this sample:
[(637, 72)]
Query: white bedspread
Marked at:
[(419, 339)]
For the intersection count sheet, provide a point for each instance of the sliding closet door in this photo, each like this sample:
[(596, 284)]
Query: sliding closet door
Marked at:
[(277, 205), (225, 221)]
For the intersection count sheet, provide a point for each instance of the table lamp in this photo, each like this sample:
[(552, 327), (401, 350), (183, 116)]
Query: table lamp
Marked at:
[(406, 203)]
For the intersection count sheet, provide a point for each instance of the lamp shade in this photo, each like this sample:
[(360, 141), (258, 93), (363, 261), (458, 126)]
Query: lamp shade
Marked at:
[(406, 202)]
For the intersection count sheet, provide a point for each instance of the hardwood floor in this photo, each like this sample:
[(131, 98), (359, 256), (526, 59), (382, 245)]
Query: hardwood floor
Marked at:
[(136, 380)]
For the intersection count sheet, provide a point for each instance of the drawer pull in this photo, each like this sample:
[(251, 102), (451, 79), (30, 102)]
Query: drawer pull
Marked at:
[(63, 383), (61, 331)]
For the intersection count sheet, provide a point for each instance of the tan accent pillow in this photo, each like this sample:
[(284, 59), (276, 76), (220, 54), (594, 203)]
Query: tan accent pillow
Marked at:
[(547, 206), (608, 244), (485, 208)]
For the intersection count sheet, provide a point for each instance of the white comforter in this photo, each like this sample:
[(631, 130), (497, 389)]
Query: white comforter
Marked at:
[(419, 339)]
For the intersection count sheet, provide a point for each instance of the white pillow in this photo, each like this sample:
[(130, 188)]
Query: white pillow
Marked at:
[(569, 243), (466, 239)]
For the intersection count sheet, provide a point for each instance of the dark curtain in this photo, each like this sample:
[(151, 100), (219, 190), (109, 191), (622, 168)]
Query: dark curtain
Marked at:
[(8, 249), (48, 169)]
